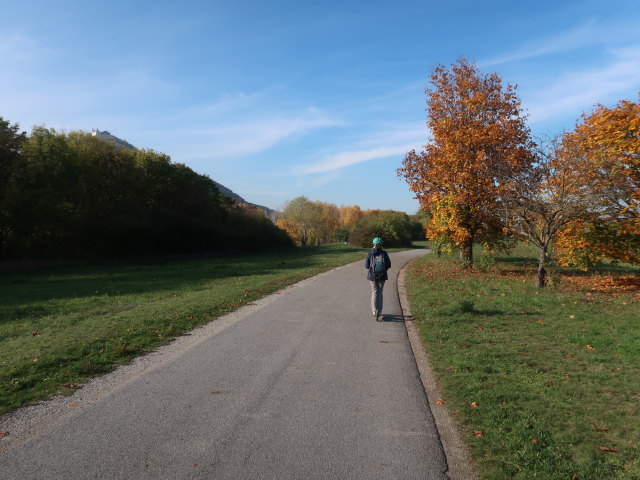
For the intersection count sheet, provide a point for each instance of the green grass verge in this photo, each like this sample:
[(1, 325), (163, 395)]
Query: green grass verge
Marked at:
[(61, 326), (544, 384)]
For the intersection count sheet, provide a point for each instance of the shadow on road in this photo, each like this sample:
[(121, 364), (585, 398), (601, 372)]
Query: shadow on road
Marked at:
[(391, 318)]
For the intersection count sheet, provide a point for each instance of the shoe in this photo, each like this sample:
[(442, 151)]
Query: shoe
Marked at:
[(377, 314)]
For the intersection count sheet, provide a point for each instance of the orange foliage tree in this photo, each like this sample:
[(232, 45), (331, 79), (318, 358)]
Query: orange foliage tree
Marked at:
[(479, 142), (350, 215), (329, 222), (544, 200), (609, 142)]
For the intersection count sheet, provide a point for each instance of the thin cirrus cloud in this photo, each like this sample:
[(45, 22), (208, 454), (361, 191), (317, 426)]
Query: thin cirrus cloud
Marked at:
[(345, 159), (589, 34), (241, 137), (574, 92), (577, 37), (385, 142)]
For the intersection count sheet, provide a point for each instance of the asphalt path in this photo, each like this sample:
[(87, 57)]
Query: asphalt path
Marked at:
[(305, 386)]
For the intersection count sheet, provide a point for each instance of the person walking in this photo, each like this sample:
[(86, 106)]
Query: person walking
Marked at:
[(377, 264)]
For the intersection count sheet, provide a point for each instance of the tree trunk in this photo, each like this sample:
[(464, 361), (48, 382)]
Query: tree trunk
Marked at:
[(542, 271), (466, 253)]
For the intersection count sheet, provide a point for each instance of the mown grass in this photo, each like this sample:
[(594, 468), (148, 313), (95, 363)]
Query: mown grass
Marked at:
[(61, 326), (544, 384)]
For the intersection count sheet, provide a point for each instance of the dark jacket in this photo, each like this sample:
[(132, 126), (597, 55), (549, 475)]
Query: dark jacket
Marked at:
[(368, 263)]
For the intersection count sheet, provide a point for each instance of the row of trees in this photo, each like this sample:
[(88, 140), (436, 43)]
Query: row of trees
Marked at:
[(483, 179), (314, 222), (71, 195)]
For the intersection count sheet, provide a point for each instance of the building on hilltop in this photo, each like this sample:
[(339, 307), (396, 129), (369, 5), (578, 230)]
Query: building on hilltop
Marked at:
[(106, 136), (96, 132)]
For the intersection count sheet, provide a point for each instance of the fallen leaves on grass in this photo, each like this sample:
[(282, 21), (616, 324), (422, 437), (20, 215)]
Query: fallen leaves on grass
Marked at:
[(70, 385), (589, 347), (478, 433), (608, 449), (608, 285), (440, 402), (600, 429)]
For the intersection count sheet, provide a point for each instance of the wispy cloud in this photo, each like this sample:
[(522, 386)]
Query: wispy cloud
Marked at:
[(589, 34), (257, 136), (382, 142), (576, 37), (239, 135), (345, 159), (578, 91)]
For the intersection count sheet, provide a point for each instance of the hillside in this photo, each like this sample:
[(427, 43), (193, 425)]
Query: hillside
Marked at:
[(120, 144)]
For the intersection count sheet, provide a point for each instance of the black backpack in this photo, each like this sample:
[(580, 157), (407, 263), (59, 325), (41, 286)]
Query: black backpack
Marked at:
[(378, 266)]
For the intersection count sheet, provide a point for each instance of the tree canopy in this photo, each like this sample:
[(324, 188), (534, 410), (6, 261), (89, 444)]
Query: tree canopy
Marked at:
[(479, 143), (69, 195)]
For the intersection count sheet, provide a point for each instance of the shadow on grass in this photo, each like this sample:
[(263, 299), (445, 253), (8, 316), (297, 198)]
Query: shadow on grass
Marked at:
[(25, 289)]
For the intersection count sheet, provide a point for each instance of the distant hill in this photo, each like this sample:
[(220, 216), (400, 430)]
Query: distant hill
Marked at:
[(120, 144), (234, 196)]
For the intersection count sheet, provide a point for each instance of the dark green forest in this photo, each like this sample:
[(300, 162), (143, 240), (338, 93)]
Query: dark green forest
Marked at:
[(73, 196)]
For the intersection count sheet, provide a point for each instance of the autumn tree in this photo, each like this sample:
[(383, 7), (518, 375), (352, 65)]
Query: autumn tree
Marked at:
[(544, 200), (609, 142), (394, 227), (350, 215), (479, 142), (302, 216), (329, 222)]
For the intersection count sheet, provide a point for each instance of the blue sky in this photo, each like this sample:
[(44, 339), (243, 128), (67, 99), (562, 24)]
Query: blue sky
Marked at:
[(277, 99)]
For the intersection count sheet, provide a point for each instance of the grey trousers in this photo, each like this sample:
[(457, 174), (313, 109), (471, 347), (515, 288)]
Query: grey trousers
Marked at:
[(376, 295)]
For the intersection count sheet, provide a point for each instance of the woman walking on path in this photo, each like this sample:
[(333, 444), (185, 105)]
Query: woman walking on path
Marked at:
[(377, 264)]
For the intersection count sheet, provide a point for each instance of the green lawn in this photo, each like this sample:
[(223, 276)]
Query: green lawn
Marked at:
[(61, 326), (544, 384)]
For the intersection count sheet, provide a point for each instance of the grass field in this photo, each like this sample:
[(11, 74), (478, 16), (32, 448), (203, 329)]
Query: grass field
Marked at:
[(61, 326), (544, 384)]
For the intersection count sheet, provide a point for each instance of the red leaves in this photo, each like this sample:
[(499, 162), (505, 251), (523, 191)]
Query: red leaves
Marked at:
[(4, 434)]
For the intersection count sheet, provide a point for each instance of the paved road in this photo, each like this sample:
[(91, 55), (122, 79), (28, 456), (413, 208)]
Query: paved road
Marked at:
[(308, 386)]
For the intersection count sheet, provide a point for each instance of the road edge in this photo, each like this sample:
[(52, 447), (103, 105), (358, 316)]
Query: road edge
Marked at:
[(460, 466)]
